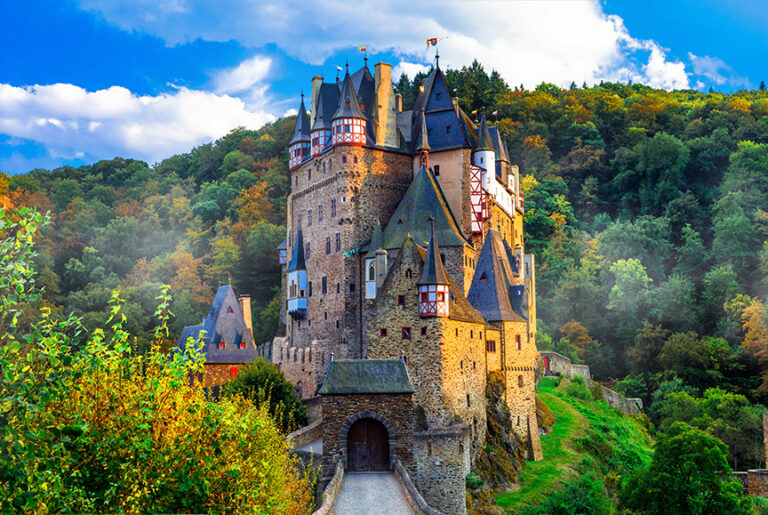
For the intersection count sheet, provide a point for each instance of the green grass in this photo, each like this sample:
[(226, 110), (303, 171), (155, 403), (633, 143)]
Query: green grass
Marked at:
[(587, 436)]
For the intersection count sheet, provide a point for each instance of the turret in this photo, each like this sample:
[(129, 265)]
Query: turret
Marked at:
[(298, 148), (348, 124), (483, 155), (297, 280), (433, 283), (423, 143), (321, 127), (372, 258)]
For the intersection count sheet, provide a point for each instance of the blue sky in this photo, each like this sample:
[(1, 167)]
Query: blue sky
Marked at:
[(82, 80)]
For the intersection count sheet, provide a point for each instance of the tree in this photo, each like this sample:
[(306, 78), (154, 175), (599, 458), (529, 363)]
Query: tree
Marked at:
[(756, 331), (649, 341), (689, 473), (628, 296), (263, 382)]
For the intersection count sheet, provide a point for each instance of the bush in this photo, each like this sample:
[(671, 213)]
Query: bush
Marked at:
[(584, 496), (575, 388)]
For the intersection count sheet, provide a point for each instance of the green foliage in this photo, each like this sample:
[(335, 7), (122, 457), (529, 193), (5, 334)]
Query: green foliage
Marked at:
[(263, 383), (583, 496), (689, 473)]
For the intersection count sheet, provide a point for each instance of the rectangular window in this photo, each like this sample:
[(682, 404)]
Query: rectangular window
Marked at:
[(325, 285), (401, 300), (333, 208), (436, 170), (338, 242), (309, 289), (319, 213), (327, 245), (343, 159), (383, 331), (423, 331), (221, 344), (354, 159), (233, 372), (296, 181), (338, 288), (520, 381), (471, 334), (351, 287), (346, 129), (469, 403), (406, 333), (309, 218), (490, 346), (309, 174), (518, 341)]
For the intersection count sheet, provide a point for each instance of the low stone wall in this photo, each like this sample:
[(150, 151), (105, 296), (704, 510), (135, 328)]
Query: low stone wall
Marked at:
[(331, 491), (757, 482), (412, 495), (314, 407), (306, 434), (744, 479), (442, 465), (559, 364)]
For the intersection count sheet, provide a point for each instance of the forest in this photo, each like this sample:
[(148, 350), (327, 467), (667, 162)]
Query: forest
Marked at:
[(646, 210)]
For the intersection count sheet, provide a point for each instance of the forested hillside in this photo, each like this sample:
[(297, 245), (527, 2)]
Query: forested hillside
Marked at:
[(646, 211)]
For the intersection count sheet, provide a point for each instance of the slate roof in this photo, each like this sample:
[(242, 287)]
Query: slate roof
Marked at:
[(377, 240), (483, 137), (283, 245), (433, 271), (492, 292), (446, 129), (297, 255), (301, 130), (349, 106), (498, 145), (423, 142), (365, 87), (423, 199), (327, 102), (366, 376), (224, 322)]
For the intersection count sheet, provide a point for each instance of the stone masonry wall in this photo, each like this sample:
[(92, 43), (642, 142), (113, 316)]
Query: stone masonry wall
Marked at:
[(217, 373), (442, 458), (395, 409)]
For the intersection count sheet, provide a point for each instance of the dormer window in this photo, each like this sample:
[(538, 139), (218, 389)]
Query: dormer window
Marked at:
[(447, 129)]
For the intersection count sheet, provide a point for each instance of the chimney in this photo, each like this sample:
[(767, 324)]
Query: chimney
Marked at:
[(399, 103), (383, 83), (245, 309), (455, 102), (317, 81)]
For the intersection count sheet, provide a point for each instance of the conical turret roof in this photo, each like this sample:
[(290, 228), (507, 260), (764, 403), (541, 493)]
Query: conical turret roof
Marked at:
[(483, 137), (423, 142), (434, 272), (301, 131), (349, 107), (297, 256), (377, 240), (326, 106)]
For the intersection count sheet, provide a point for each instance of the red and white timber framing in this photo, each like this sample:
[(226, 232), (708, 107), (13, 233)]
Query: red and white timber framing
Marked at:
[(433, 300), (477, 199), (320, 140), (297, 153), (348, 131)]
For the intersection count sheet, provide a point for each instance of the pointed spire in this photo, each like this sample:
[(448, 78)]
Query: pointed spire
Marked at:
[(433, 272), (423, 142), (301, 131), (297, 256), (483, 136), (349, 107), (377, 240)]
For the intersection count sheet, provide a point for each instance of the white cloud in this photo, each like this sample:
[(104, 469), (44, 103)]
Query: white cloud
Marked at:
[(72, 122), (527, 42), (410, 69), (716, 70), (246, 80)]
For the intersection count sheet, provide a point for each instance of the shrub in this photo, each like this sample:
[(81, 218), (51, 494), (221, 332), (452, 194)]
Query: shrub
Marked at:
[(584, 496)]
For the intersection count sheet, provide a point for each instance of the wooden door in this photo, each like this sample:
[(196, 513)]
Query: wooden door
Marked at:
[(367, 446)]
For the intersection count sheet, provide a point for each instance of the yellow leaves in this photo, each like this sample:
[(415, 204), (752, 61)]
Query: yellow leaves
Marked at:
[(527, 184), (756, 330), (253, 204)]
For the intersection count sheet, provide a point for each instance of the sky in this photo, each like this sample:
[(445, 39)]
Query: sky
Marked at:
[(84, 80)]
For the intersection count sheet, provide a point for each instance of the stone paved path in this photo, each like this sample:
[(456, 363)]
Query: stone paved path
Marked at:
[(371, 493)]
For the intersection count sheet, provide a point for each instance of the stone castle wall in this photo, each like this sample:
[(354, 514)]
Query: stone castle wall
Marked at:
[(442, 463), (217, 374)]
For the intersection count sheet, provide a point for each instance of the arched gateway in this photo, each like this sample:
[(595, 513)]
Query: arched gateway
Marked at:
[(367, 446)]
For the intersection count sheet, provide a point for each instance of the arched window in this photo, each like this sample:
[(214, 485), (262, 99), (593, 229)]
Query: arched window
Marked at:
[(372, 271)]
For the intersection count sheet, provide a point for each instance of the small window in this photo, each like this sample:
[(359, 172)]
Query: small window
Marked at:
[(327, 245), (309, 289), (371, 271), (242, 345), (474, 365), (481, 160), (307, 251), (436, 170), (520, 381), (230, 310), (457, 331), (461, 364), (221, 344), (518, 341), (233, 372), (346, 129), (338, 288), (469, 402), (333, 208), (440, 297), (481, 335), (354, 159), (447, 129), (471, 334), (338, 242), (337, 324), (309, 174), (490, 346), (343, 159), (483, 277), (383, 331), (401, 300), (325, 285), (325, 315), (320, 213), (351, 287), (408, 273), (406, 333), (423, 331)]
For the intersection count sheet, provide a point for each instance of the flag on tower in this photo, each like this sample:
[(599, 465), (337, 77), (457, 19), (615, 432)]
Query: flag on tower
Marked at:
[(339, 68), (495, 113), (475, 111), (432, 41), (454, 89), (361, 48)]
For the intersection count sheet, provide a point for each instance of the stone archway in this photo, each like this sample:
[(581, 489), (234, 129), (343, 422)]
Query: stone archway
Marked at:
[(369, 440)]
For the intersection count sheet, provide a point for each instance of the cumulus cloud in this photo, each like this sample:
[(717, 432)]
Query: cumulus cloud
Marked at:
[(527, 42), (716, 70), (409, 69), (246, 80), (72, 122)]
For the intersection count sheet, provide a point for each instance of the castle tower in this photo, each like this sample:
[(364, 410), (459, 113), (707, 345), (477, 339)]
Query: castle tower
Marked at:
[(321, 126), (374, 269), (483, 154), (348, 124), (433, 283), (297, 280), (299, 146)]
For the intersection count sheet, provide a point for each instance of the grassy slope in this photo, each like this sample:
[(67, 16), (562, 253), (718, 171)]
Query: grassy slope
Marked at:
[(588, 436)]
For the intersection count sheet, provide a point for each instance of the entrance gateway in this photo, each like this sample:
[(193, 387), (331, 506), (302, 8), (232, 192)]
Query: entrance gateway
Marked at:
[(367, 446)]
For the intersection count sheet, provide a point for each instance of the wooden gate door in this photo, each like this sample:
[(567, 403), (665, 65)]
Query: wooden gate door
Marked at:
[(367, 446)]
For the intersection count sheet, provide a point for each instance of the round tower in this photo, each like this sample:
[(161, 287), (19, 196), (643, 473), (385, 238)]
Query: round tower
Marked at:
[(299, 147), (348, 125), (433, 283)]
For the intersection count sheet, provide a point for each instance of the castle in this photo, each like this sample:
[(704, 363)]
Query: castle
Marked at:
[(405, 280)]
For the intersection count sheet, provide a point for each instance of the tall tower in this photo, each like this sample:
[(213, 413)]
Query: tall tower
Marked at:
[(433, 283), (297, 280), (298, 148), (483, 155)]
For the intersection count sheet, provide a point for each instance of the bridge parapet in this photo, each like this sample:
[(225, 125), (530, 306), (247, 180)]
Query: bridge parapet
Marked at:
[(412, 495)]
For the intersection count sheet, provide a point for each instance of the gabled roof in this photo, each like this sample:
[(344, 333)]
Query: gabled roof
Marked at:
[(224, 322), (327, 102), (423, 199), (349, 107), (365, 86), (483, 137), (444, 124), (433, 271), (492, 283), (297, 256), (301, 130), (366, 376), (377, 240)]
